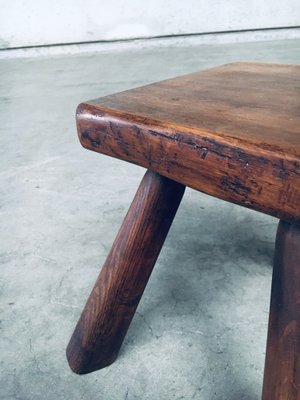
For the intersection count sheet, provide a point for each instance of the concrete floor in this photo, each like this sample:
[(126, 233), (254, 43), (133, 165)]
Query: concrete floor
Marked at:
[(200, 329)]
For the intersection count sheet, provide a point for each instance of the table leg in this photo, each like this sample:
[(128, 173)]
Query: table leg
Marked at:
[(282, 367), (112, 303)]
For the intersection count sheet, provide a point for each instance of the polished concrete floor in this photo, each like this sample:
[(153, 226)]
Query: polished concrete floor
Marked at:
[(200, 329)]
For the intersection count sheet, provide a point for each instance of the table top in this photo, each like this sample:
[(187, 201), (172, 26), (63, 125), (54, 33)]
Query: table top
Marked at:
[(255, 103), (232, 132)]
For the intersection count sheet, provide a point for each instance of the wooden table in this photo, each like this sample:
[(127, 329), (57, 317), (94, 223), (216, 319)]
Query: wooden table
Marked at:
[(232, 132)]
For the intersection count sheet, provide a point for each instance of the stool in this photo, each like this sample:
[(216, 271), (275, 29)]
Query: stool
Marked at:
[(232, 132)]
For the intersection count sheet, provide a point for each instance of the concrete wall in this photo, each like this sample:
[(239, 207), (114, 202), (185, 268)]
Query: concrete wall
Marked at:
[(35, 22)]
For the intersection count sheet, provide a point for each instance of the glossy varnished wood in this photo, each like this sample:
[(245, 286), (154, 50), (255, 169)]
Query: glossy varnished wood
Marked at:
[(231, 132), (282, 368), (110, 308)]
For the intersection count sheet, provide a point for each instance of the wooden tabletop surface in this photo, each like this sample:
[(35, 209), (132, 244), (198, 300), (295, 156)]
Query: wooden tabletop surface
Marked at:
[(232, 132), (253, 102)]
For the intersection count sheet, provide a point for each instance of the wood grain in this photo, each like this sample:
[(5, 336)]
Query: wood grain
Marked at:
[(282, 367), (110, 308), (231, 132)]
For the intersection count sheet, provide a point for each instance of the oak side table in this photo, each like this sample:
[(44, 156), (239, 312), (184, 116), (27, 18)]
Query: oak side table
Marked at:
[(232, 132)]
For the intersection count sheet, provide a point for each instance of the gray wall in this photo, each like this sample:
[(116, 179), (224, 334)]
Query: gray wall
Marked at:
[(36, 22)]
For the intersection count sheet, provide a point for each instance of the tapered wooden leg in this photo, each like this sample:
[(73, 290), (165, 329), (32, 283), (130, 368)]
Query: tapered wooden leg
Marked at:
[(282, 368), (111, 306)]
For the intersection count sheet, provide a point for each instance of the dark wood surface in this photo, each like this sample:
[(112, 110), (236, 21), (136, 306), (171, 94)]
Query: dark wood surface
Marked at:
[(110, 308), (282, 367), (231, 131)]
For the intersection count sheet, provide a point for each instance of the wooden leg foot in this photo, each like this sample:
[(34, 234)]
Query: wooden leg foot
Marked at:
[(111, 306), (282, 368)]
